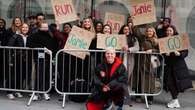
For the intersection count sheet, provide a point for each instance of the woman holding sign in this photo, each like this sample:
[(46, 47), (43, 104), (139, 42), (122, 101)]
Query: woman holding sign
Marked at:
[(147, 70), (128, 58), (176, 78)]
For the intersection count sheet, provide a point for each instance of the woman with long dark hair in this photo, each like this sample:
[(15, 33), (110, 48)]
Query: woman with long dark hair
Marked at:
[(176, 78)]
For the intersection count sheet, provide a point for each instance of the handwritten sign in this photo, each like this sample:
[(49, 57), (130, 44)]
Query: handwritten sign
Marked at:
[(114, 20), (79, 39), (111, 40), (170, 44), (143, 11), (64, 11)]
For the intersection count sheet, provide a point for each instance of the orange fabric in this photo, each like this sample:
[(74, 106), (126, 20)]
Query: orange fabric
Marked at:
[(95, 106)]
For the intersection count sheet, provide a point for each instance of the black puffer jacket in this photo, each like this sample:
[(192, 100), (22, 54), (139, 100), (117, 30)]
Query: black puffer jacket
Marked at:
[(176, 65)]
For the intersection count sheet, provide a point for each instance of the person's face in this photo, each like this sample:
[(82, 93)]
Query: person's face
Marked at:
[(32, 21), (149, 32), (2, 24), (99, 27), (107, 30), (110, 56), (17, 22), (44, 27), (40, 19), (24, 29), (126, 30), (166, 23), (87, 24), (67, 28), (170, 31)]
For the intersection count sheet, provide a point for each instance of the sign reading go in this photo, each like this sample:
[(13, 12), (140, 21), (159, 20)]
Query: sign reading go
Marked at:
[(173, 43), (111, 40)]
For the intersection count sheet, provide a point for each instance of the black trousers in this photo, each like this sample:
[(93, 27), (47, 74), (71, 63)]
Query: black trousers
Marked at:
[(172, 86)]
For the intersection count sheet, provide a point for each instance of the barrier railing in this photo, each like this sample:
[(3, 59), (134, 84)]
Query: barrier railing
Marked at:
[(25, 70), (74, 76), (146, 77)]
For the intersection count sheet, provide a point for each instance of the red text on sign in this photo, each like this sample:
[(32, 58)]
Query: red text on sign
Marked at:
[(142, 9), (63, 9), (115, 26)]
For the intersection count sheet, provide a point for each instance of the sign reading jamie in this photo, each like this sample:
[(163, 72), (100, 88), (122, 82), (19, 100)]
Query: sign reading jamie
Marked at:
[(173, 43), (79, 39), (64, 11), (111, 40), (114, 20), (143, 11)]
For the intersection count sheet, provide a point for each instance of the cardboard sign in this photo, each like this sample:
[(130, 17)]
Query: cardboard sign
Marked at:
[(111, 40), (114, 20), (79, 39), (64, 11), (173, 43), (143, 11)]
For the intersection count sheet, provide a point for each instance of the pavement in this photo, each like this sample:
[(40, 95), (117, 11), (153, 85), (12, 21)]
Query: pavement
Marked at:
[(187, 101)]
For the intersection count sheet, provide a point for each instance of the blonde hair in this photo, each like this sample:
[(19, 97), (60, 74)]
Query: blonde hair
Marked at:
[(92, 29), (154, 32), (13, 26)]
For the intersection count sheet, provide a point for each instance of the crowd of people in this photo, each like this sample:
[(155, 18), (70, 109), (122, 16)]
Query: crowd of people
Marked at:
[(36, 32)]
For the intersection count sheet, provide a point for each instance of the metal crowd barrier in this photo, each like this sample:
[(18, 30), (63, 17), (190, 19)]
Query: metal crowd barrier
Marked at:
[(73, 76), (25, 70), (146, 75)]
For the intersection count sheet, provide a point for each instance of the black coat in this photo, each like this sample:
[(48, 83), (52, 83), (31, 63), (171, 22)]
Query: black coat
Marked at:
[(115, 76), (43, 39), (4, 37), (16, 41), (176, 66)]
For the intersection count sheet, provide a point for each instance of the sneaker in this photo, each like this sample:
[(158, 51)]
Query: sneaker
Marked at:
[(11, 96), (108, 106), (35, 97), (18, 95), (173, 104), (46, 96)]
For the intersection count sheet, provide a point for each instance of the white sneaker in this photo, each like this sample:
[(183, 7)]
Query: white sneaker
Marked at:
[(18, 94), (35, 97), (173, 104), (46, 96), (11, 96)]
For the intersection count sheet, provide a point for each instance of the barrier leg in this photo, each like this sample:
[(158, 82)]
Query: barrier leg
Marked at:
[(146, 100), (29, 102), (64, 99)]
